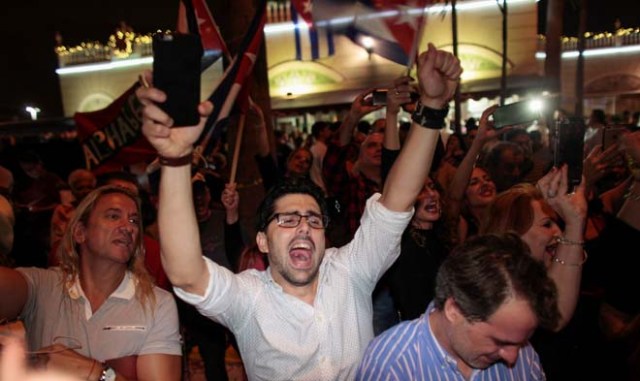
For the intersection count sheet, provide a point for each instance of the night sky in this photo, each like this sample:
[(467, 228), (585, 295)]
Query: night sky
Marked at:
[(28, 62)]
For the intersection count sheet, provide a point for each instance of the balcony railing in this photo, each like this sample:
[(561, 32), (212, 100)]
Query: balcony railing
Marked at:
[(622, 37), (125, 45), (120, 46), (278, 11)]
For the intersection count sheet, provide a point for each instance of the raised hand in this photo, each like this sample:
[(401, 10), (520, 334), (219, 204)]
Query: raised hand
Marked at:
[(572, 207), (399, 93), (157, 125), (360, 107), (438, 75), (485, 127)]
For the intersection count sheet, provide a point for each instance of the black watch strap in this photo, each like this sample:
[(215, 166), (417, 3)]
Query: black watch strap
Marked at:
[(428, 117)]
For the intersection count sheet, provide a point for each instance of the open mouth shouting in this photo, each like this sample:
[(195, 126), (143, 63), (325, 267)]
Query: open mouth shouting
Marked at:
[(301, 253), (432, 207), (551, 248), (487, 190)]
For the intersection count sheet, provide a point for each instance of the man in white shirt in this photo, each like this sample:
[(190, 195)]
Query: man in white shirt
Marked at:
[(309, 315)]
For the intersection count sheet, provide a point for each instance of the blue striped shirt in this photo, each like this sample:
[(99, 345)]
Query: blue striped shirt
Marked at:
[(409, 351)]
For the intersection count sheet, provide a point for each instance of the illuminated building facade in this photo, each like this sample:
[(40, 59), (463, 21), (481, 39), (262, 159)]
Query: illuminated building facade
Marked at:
[(93, 75)]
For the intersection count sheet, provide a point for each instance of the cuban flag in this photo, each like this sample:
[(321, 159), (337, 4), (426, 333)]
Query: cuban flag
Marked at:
[(312, 41), (389, 28), (212, 43), (233, 88)]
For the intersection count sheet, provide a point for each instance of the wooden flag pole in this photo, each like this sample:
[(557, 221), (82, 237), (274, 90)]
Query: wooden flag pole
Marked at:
[(236, 150)]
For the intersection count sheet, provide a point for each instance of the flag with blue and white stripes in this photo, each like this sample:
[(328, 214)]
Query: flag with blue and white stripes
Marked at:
[(312, 42)]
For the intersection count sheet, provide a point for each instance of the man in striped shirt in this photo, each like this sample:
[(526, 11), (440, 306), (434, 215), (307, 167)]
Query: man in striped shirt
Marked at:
[(490, 297)]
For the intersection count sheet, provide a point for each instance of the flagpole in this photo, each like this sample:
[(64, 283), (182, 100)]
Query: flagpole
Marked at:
[(417, 40), (236, 150)]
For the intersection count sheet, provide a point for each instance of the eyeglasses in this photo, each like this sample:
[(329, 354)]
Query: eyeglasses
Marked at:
[(292, 220)]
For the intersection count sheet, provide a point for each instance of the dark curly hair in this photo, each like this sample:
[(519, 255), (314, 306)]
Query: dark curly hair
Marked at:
[(293, 185)]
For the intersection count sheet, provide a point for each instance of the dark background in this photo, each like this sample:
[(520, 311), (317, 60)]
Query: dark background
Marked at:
[(28, 27)]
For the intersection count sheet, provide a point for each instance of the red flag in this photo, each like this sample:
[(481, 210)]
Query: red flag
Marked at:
[(111, 138), (207, 27), (227, 92), (389, 28), (406, 25)]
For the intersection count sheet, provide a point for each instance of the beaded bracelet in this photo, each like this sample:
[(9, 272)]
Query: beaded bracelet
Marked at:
[(565, 263), (564, 241)]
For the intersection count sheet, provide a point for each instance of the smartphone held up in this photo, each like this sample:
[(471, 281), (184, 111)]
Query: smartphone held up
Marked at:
[(568, 147), (176, 71), (378, 97), (517, 113)]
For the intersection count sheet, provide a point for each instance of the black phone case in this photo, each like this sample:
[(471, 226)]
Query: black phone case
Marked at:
[(569, 147), (514, 114), (379, 97), (176, 71)]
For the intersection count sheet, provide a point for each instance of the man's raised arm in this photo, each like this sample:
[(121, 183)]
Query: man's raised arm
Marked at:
[(179, 237), (438, 77)]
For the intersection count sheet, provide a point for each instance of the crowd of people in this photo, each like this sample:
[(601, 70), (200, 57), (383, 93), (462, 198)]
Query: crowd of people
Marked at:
[(380, 252)]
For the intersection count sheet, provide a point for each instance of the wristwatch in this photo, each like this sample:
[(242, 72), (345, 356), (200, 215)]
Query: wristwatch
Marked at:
[(108, 374)]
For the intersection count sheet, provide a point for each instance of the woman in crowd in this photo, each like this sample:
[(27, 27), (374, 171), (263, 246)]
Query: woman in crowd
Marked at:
[(535, 213), (411, 279), (471, 190)]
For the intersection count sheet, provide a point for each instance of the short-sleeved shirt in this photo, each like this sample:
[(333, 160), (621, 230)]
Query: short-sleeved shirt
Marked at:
[(410, 351), (120, 327), (283, 338)]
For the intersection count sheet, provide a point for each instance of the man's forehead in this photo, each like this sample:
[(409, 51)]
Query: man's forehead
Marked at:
[(296, 201), (512, 323), (116, 201), (124, 184)]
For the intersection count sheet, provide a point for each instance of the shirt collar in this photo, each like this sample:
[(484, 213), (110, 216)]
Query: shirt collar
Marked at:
[(126, 290), (444, 357)]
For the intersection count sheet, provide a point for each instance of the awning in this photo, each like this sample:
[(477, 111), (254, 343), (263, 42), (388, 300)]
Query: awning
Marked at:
[(315, 100), (476, 89), (490, 87)]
